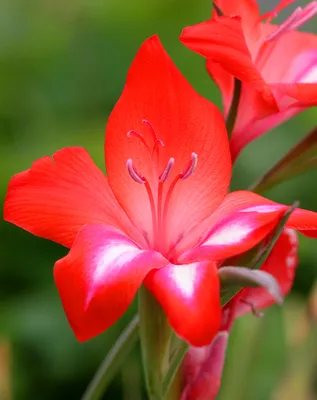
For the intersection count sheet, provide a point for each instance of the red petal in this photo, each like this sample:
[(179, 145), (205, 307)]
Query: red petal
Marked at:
[(304, 221), (244, 201), (302, 94), (248, 128), (248, 10), (281, 263), (157, 92), (222, 40), (99, 278), (58, 195), (225, 82), (203, 369), (243, 220), (275, 68), (189, 295), (236, 234), (286, 76)]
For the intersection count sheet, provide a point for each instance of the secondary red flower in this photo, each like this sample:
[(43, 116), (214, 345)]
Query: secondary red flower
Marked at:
[(276, 64), (161, 217), (203, 366)]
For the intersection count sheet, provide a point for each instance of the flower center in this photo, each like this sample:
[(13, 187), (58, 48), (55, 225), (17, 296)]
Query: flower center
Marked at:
[(159, 192)]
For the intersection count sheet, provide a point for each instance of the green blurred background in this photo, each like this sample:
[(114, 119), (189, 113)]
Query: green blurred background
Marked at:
[(62, 68)]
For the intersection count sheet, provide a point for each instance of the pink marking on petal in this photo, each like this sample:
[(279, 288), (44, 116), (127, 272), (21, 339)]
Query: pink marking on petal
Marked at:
[(267, 208), (99, 278), (234, 235), (189, 295), (186, 276)]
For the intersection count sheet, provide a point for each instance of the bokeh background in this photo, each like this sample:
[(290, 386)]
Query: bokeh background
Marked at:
[(62, 68)]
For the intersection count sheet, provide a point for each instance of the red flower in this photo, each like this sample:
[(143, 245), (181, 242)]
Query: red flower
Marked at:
[(276, 64), (203, 366), (162, 217)]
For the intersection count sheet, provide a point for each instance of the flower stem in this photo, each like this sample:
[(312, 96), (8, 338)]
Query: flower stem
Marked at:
[(113, 361), (232, 115), (173, 371), (155, 335)]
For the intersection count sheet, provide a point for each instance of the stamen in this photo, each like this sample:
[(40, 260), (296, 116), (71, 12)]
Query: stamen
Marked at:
[(307, 13), (189, 170), (286, 26), (254, 310), (298, 17), (146, 122), (274, 13), (135, 175), (158, 142), (139, 136), (146, 237), (167, 170), (190, 167)]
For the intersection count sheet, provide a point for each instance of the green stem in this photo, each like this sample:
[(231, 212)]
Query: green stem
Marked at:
[(113, 361), (173, 371), (232, 116), (155, 335)]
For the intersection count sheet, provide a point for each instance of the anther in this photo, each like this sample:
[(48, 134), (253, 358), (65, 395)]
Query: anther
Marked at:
[(135, 133), (140, 137), (254, 310), (135, 175), (190, 167), (167, 170)]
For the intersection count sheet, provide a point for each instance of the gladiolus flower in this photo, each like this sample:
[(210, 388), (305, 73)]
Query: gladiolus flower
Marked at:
[(276, 64), (203, 366), (162, 217)]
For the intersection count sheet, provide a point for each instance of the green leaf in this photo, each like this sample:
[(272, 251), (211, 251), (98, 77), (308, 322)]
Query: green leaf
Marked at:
[(114, 359), (174, 366), (300, 159)]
